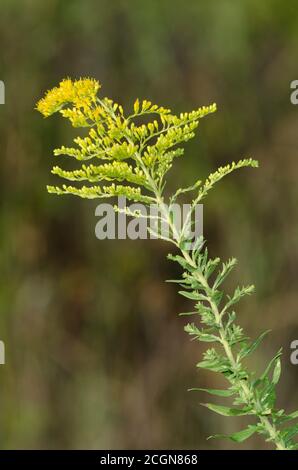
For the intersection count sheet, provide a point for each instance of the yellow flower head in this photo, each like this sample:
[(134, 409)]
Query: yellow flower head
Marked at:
[(81, 93)]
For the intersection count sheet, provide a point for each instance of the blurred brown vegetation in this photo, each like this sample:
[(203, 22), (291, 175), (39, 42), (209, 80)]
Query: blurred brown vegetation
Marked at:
[(96, 355)]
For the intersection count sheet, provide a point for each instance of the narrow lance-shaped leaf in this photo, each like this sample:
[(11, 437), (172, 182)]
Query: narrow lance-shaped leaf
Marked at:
[(250, 348), (276, 372), (226, 411), (239, 436), (213, 391)]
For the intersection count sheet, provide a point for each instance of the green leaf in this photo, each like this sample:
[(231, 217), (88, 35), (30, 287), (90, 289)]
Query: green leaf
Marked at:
[(176, 281), (276, 372), (226, 269), (185, 190), (284, 418), (214, 362), (215, 367), (289, 433), (273, 360), (226, 411), (182, 261), (250, 348), (198, 246), (239, 436), (223, 171), (231, 319), (238, 294), (210, 267), (268, 397), (192, 295), (217, 297), (213, 391), (202, 335), (187, 314)]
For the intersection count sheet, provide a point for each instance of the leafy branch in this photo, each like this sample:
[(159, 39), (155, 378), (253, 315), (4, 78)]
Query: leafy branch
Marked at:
[(132, 157)]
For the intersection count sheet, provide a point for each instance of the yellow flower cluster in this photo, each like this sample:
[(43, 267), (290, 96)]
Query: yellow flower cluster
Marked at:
[(81, 93), (140, 151)]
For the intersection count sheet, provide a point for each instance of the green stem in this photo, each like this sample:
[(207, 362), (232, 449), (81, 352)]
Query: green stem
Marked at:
[(247, 392), (248, 395)]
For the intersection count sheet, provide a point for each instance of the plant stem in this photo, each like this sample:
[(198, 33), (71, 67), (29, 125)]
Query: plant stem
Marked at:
[(248, 393)]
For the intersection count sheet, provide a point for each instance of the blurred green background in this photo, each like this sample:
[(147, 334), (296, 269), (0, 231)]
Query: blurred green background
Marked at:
[(96, 356)]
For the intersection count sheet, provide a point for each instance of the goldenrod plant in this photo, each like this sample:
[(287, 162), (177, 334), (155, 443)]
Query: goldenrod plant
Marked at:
[(131, 155)]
